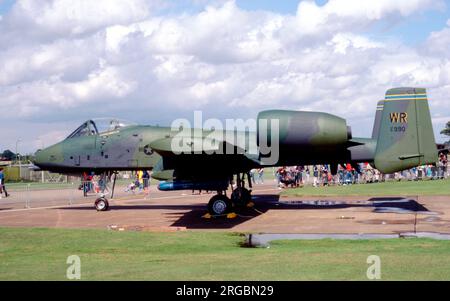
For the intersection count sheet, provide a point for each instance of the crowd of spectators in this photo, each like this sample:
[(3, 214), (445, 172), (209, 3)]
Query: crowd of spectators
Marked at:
[(295, 176), (348, 174)]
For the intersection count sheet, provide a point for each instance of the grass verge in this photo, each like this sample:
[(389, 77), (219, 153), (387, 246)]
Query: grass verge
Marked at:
[(409, 188), (41, 254)]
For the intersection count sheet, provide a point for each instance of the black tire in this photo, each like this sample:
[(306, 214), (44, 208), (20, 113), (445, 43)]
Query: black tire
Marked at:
[(101, 204), (219, 205), (241, 196)]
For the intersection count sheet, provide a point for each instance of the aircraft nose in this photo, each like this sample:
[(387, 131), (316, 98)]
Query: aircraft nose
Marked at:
[(39, 157), (47, 157)]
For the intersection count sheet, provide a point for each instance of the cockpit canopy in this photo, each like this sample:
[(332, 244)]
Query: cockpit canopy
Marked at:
[(100, 126)]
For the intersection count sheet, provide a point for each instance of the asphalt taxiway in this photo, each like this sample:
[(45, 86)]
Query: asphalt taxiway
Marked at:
[(181, 210)]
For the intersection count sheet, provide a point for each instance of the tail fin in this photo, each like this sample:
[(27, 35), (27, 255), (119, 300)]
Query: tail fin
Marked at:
[(377, 123), (405, 137)]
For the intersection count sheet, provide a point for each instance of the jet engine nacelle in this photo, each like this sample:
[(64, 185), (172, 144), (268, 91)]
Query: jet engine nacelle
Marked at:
[(300, 130)]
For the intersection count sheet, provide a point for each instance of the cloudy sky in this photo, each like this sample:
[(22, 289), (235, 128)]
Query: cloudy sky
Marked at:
[(152, 61)]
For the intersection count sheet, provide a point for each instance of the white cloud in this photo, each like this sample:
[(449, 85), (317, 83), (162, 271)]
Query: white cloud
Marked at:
[(76, 17), (61, 60), (337, 15), (49, 138), (342, 42), (438, 42), (38, 96)]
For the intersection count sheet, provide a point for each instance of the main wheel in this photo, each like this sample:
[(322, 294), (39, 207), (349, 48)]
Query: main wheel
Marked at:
[(219, 205), (101, 204), (241, 196)]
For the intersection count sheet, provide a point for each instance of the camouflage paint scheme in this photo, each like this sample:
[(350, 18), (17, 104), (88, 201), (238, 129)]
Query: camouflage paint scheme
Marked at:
[(402, 138), (406, 136)]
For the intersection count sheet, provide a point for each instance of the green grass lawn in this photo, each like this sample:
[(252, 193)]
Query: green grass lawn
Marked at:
[(41, 254), (409, 188), (19, 186)]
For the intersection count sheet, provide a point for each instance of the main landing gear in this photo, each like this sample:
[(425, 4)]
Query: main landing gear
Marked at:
[(102, 204), (241, 197)]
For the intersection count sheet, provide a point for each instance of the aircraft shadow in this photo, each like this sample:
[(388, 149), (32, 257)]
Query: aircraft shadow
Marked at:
[(263, 203), (137, 207)]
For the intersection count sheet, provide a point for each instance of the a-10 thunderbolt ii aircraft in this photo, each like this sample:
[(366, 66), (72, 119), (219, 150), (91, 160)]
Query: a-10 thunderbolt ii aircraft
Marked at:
[(193, 158)]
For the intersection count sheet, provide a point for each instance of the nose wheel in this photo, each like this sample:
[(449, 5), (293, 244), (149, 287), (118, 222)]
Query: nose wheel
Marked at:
[(101, 204)]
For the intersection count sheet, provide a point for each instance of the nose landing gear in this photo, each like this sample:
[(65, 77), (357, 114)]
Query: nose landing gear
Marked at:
[(102, 204)]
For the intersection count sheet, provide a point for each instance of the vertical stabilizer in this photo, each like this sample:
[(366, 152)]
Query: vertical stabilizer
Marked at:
[(377, 123), (405, 137)]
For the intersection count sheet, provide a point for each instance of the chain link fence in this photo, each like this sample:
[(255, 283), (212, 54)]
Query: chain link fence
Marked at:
[(32, 195), (38, 195)]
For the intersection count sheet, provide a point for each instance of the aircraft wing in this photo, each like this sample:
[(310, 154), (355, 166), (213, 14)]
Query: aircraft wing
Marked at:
[(172, 147), (199, 158)]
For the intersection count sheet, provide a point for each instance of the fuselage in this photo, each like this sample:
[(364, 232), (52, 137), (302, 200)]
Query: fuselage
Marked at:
[(129, 148), (402, 138)]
